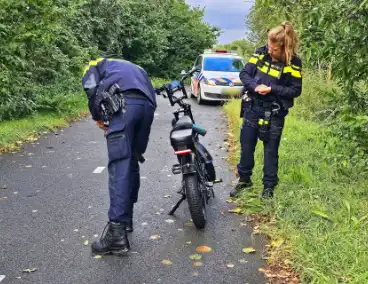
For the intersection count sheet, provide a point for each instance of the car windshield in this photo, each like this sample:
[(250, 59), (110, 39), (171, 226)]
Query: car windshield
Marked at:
[(223, 64)]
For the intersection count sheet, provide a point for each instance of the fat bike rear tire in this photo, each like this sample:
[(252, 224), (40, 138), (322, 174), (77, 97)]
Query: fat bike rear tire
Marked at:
[(197, 207)]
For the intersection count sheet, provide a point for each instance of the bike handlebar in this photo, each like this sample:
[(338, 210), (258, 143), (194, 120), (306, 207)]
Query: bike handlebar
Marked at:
[(175, 86)]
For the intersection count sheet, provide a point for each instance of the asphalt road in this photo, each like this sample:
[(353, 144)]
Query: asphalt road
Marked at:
[(53, 197)]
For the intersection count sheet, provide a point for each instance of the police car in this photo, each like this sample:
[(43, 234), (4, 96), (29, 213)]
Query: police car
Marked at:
[(218, 79)]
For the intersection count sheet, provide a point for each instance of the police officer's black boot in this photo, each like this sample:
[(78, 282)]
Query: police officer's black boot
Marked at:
[(267, 193), (242, 184), (114, 241), (129, 224)]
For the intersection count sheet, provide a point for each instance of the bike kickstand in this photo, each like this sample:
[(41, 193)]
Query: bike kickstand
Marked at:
[(177, 205)]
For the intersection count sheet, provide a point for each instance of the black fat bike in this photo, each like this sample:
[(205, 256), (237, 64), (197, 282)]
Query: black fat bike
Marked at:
[(195, 163)]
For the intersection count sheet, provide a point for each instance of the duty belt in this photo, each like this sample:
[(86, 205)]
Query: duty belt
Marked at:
[(134, 95), (261, 103)]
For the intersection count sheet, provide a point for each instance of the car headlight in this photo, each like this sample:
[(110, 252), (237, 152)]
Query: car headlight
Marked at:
[(209, 82)]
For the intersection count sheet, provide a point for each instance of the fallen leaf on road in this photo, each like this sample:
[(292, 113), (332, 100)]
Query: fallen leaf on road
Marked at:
[(249, 250), (86, 243), (34, 211), (243, 260), (202, 249), (95, 236), (189, 242), (188, 224), (222, 213), (154, 237), (76, 230), (144, 224), (236, 210), (243, 224), (166, 262), (195, 256), (15, 192), (180, 230), (230, 265), (29, 166), (195, 273), (197, 264), (166, 195), (98, 256), (229, 200), (28, 270), (3, 198)]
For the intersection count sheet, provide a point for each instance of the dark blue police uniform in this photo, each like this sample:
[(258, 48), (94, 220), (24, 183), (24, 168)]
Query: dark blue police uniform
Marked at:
[(127, 138), (286, 85)]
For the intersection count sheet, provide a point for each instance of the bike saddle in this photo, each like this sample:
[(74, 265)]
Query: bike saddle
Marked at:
[(184, 122)]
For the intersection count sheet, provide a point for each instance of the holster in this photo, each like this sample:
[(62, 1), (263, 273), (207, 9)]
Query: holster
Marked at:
[(265, 125), (245, 100), (109, 102)]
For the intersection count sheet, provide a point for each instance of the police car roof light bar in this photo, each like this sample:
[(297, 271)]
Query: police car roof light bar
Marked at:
[(221, 51)]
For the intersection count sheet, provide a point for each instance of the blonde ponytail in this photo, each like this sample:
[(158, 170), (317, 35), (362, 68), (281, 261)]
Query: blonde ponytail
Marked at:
[(285, 36)]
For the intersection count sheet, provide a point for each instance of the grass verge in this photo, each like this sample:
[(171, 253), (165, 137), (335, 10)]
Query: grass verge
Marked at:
[(319, 216), (14, 133)]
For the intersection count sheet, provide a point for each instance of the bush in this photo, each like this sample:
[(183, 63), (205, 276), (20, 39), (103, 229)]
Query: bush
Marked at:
[(44, 45)]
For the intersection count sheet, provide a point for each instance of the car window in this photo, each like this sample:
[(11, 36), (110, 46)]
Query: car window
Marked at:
[(223, 64), (198, 62)]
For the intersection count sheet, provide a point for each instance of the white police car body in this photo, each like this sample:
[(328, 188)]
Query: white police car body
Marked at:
[(218, 79)]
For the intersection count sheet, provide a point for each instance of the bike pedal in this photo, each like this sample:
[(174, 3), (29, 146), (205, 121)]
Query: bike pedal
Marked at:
[(176, 169), (219, 180)]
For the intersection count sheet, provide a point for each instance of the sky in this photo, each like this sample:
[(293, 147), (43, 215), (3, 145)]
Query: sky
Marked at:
[(229, 15)]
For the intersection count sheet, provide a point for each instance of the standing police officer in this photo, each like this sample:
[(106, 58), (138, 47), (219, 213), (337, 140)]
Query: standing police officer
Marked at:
[(272, 79), (127, 133)]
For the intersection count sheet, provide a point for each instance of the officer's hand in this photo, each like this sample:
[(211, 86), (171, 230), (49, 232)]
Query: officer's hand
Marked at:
[(263, 89), (101, 125)]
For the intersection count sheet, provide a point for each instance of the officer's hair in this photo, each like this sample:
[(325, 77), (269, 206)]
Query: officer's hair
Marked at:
[(285, 36)]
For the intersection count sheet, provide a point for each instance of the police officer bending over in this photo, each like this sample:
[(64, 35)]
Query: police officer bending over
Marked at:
[(272, 80), (122, 100)]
